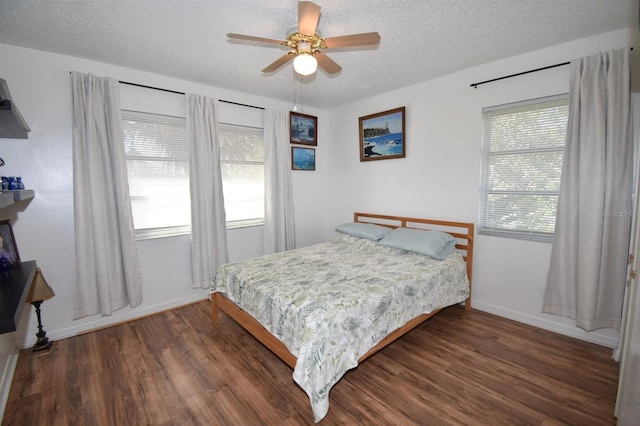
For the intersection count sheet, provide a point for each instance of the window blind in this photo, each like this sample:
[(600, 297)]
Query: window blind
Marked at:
[(157, 159), (522, 151), (242, 165)]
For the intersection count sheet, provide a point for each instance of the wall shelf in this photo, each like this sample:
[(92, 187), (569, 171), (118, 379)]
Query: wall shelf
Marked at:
[(13, 293), (9, 197), (14, 288)]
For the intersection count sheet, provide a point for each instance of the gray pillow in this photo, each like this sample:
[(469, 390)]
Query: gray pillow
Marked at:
[(369, 231), (436, 244)]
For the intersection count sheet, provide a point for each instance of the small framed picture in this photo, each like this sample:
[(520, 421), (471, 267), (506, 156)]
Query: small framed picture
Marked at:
[(382, 135), (303, 158), (8, 247), (303, 129)]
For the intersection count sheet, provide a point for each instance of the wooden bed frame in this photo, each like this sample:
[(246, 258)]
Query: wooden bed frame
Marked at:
[(462, 231)]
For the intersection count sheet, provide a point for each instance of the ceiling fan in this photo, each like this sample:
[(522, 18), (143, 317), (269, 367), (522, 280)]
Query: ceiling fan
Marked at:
[(306, 43)]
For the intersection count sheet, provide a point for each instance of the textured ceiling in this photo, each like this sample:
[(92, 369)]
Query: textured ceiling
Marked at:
[(421, 39)]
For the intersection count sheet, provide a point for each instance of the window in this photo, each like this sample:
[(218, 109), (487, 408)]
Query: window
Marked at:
[(157, 156), (523, 146), (242, 165), (157, 159)]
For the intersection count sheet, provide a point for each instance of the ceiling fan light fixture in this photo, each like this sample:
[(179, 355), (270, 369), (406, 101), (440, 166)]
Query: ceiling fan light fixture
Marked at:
[(305, 64)]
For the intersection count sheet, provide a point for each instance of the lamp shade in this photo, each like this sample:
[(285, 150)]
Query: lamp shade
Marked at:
[(40, 289), (305, 64)]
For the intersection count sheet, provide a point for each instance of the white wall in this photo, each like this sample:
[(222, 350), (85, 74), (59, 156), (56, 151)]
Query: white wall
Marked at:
[(44, 227), (439, 178)]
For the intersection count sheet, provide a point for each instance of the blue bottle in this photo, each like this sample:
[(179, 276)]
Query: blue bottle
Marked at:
[(5, 266)]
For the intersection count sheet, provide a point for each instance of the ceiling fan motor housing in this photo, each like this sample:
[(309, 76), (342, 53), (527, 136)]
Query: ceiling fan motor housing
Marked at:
[(301, 43)]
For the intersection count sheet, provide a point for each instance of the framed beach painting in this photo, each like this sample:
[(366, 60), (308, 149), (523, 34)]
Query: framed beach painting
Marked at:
[(303, 129), (382, 135), (303, 158)]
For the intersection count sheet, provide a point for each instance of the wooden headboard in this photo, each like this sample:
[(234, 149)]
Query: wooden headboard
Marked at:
[(463, 231)]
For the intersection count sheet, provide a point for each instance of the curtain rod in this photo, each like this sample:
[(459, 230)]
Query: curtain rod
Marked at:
[(237, 103), (475, 85), (150, 87), (182, 93)]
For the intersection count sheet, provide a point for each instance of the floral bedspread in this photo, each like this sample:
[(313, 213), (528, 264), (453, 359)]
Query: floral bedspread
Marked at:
[(332, 302)]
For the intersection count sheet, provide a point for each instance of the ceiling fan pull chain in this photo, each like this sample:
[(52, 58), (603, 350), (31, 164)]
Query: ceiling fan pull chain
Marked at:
[(295, 105)]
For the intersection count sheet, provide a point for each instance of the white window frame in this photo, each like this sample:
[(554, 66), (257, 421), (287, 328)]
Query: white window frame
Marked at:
[(489, 219)]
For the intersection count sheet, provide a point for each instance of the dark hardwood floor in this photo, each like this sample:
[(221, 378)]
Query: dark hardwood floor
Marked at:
[(178, 368)]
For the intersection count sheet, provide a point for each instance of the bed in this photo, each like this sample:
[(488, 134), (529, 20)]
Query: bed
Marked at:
[(325, 308)]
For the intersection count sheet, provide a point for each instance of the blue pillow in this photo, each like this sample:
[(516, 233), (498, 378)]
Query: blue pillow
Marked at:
[(369, 231), (436, 244)]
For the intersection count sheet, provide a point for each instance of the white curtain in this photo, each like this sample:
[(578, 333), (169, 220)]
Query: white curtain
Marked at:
[(108, 272), (208, 219), (589, 256), (279, 224)]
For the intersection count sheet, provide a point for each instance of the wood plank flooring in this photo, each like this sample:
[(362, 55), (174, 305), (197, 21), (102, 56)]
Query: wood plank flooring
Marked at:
[(178, 368)]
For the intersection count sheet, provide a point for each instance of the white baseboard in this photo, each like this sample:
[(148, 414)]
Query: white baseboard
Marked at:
[(6, 379), (545, 324), (133, 314), (533, 320)]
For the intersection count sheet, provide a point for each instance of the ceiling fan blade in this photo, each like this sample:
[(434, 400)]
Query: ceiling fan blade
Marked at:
[(308, 16), (364, 39), (327, 64), (254, 38), (278, 63)]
